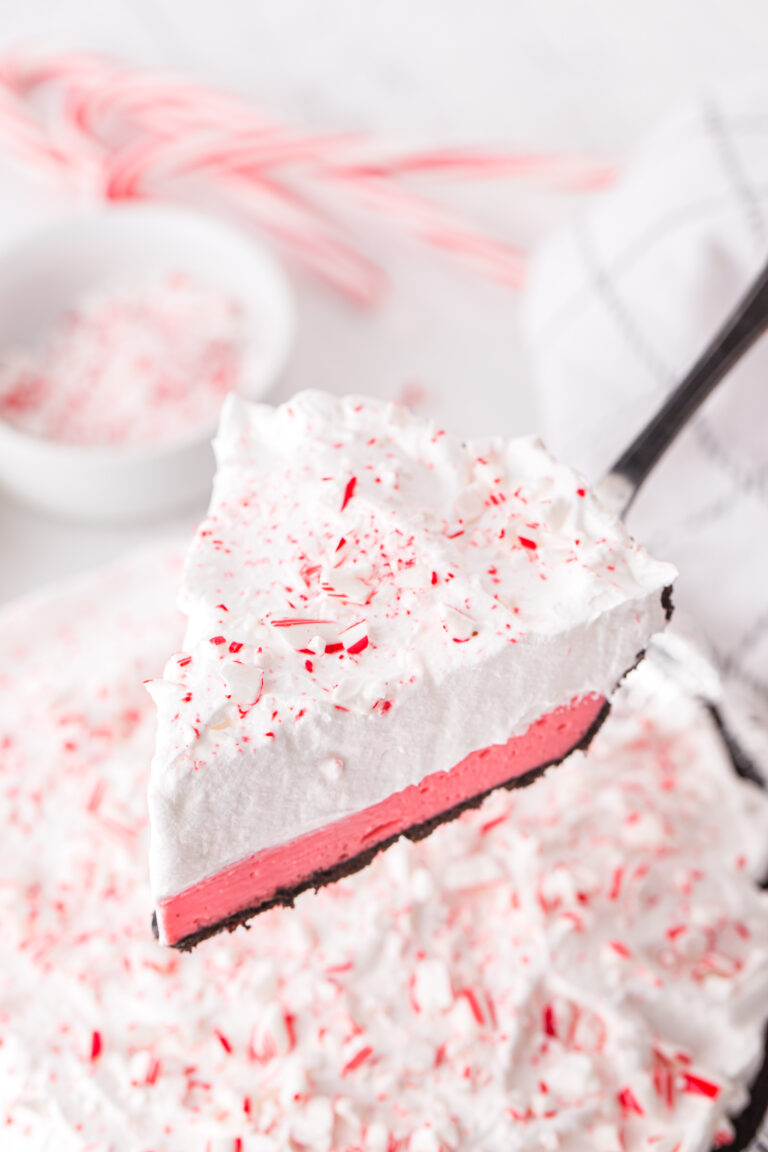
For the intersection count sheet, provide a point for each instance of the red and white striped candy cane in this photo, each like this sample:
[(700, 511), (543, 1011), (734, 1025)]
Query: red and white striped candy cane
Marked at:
[(127, 134)]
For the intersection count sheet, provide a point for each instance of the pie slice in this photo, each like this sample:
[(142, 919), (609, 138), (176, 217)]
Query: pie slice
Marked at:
[(384, 624)]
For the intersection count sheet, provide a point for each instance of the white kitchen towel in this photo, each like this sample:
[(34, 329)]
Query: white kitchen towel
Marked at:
[(620, 305)]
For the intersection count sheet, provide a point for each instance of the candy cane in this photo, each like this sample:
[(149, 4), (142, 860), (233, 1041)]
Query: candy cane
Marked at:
[(161, 158), (303, 229), (128, 134), (562, 170), (126, 172), (440, 228)]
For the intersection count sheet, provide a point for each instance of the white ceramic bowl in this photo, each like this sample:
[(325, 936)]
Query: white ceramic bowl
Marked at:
[(45, 274)]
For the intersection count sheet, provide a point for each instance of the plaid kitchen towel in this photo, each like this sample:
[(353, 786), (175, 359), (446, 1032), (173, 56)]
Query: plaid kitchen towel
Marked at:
[(619, 305)]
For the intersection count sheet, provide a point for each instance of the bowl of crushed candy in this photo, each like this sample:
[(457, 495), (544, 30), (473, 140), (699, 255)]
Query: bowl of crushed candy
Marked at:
[(122, 328)]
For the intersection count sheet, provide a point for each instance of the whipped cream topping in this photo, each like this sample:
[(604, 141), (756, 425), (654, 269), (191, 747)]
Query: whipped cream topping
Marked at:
[(367, 589), (583, 964)]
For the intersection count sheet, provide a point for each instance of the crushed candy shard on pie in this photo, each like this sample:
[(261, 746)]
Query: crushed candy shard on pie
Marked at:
[(384, 625)]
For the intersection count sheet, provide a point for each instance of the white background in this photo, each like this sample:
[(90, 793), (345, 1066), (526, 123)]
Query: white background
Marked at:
[(530, 74)]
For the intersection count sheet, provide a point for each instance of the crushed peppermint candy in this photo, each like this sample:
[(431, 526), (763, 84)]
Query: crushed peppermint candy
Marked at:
[(133, 364), (357, 549), (466, 992)]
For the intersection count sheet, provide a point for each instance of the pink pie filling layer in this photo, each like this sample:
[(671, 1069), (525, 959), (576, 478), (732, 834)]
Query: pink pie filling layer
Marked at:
[(291, 866)]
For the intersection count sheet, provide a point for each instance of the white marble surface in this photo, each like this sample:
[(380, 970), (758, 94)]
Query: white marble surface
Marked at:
[(526, 73)]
